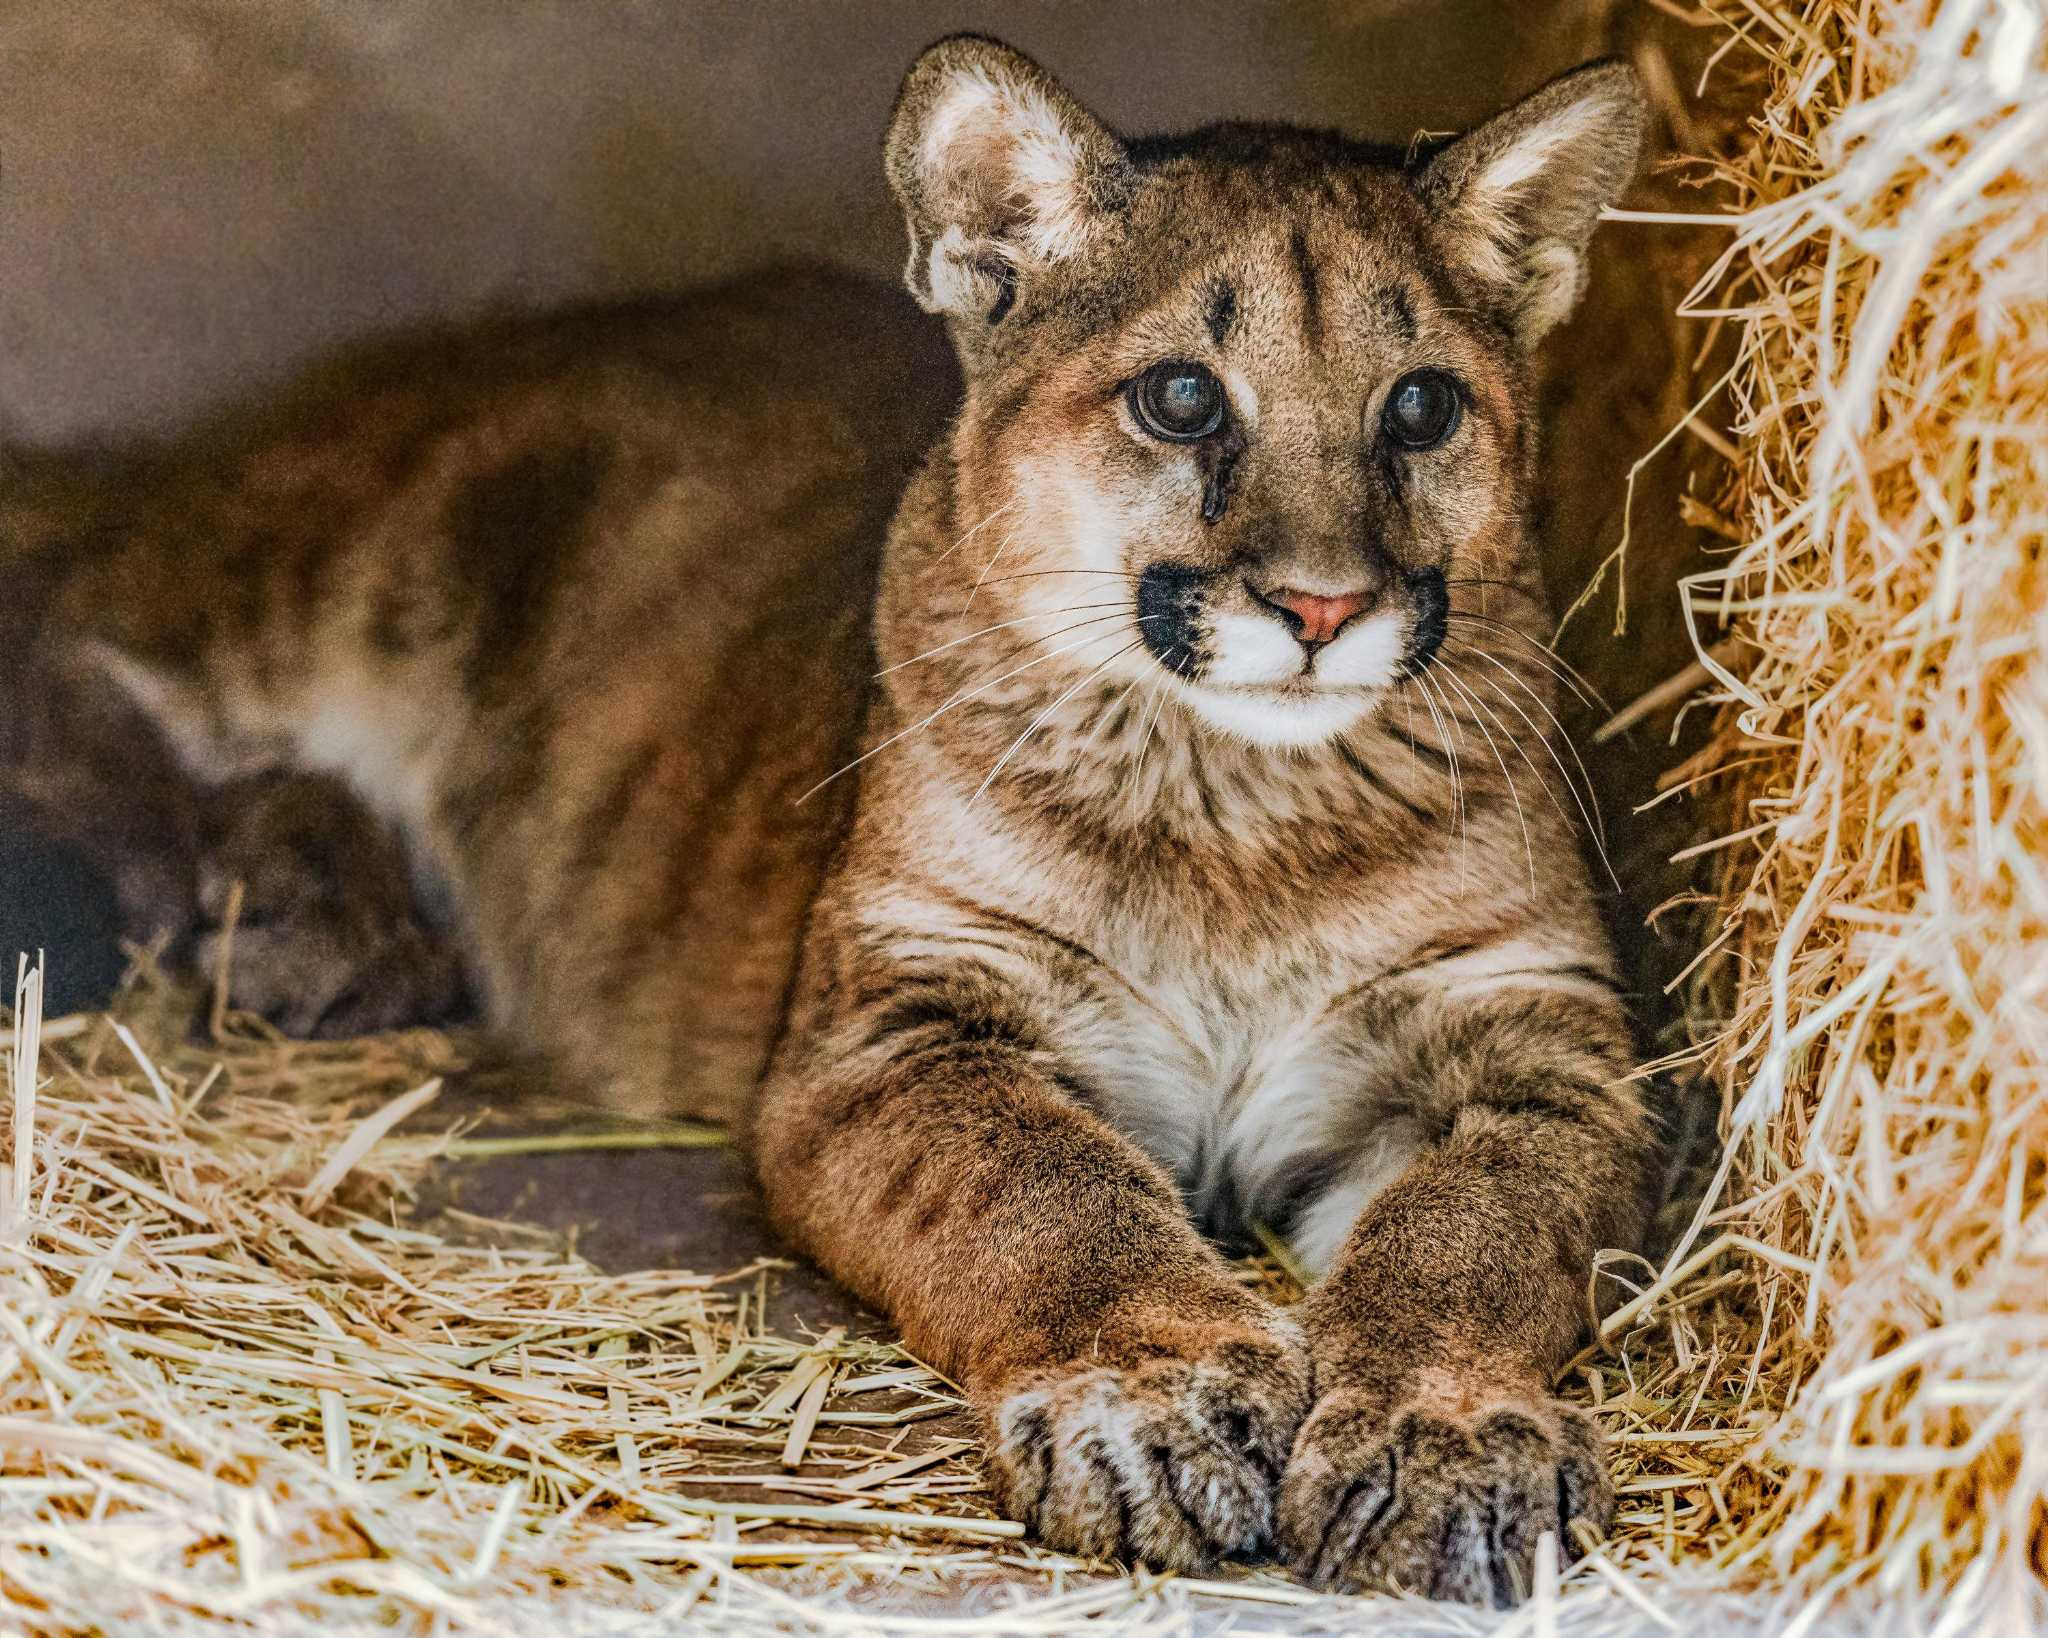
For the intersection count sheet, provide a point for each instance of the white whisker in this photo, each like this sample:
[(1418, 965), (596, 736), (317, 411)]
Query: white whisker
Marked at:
[(1002, 546), (1038, 574), (1000, 625), (1514, 795), (1008, 505), (1593, 819), (1159, 697), (1109, 711), (1457, 782), (1548, 658), (1048, 636), (1038, 721), (1520, 749), (957, 699)]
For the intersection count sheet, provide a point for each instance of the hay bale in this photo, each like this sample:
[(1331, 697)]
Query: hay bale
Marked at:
[(1878, 641)]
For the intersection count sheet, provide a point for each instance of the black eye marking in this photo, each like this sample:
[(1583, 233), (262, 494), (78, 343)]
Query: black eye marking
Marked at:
[(1222, 311), (1432, 595), (1169, 609), (1219, 458), (1219, 465), (1422, 410), (1177, 402), (1216, 488), (1005, 277)]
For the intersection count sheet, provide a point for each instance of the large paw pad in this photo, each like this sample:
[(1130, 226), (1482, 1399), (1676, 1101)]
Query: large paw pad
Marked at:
[(1450, 1507), (1173, 1461)]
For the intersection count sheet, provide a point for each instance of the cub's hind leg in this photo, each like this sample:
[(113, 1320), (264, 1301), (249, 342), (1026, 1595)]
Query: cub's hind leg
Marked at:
[(1139, 1402)]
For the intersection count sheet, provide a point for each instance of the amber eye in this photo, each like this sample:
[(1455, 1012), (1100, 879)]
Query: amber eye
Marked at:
[(1177, 402), (1422, 410)]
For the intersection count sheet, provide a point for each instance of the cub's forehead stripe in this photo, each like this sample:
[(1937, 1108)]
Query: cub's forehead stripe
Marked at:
[(1311, 286), (1396, 301), (1222, 310)]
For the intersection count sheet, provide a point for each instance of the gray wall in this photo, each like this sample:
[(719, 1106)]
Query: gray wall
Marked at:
[(196, 193)]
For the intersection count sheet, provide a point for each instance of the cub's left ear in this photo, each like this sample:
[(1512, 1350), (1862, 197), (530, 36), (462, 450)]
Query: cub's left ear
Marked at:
[(1000, 173), (1522, 194)]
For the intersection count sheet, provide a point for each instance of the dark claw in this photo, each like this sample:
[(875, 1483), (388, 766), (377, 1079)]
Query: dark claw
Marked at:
[(1438, 1504)]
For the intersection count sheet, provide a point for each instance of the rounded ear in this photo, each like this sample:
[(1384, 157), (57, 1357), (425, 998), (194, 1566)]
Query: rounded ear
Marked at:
[(1522, 194), (998, 172)]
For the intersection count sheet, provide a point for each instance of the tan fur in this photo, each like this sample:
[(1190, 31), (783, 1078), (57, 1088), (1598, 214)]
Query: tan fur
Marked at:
[(1148, 921), (1108, 943), (545, 592)]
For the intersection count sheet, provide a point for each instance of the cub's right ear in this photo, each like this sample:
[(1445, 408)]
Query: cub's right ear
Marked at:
[(1521, 195), (999, 173)]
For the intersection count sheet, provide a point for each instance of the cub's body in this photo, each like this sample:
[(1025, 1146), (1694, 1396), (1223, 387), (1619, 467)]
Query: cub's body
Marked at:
[(1201, 1000), (582, 603), (1169, 831)]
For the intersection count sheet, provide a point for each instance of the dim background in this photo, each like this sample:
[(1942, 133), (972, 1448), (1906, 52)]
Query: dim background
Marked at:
[(194, 194)]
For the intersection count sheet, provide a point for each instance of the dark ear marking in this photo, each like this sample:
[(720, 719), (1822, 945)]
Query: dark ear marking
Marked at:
[(1222, 310)]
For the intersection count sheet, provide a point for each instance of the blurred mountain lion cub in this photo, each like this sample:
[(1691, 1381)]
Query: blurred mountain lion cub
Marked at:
[(1185, 887)]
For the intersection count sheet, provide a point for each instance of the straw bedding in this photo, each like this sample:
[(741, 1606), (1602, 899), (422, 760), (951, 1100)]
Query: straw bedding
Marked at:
[(233, 1387), (241, 1388)]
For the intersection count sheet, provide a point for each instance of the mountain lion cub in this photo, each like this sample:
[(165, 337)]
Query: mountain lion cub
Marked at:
[(1187, 886)]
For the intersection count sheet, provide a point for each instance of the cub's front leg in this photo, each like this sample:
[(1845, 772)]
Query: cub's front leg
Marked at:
[(1437, 1456), (917, 1141)]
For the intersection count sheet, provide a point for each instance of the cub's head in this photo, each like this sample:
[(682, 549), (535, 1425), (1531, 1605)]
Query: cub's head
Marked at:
[(1263, 392)]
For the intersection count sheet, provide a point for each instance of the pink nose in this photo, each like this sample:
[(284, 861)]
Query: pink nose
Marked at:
[(1316, 619)]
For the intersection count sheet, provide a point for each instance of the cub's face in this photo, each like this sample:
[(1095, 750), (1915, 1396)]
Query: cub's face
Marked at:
[(1245, 409), (1289, 437)]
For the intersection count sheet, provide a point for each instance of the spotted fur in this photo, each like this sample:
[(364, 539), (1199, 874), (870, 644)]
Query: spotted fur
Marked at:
[(1153, 914)]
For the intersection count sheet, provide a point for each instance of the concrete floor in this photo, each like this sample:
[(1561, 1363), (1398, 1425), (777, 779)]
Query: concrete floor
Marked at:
[(628, 1209)]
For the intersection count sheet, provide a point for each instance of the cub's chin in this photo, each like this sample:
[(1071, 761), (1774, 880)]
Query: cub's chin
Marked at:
[(1295, 715)]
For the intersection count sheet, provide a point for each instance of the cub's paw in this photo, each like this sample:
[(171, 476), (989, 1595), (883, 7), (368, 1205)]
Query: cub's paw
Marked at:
[(326, 938), (1448, 1505), (316, 980), (1173, 1460)]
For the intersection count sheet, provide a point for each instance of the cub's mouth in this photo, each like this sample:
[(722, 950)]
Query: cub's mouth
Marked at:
[(1288, 665)]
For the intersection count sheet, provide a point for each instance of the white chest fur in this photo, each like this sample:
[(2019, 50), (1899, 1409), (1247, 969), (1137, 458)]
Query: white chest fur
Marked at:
[(1231, 1066), (1259, 1096)]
